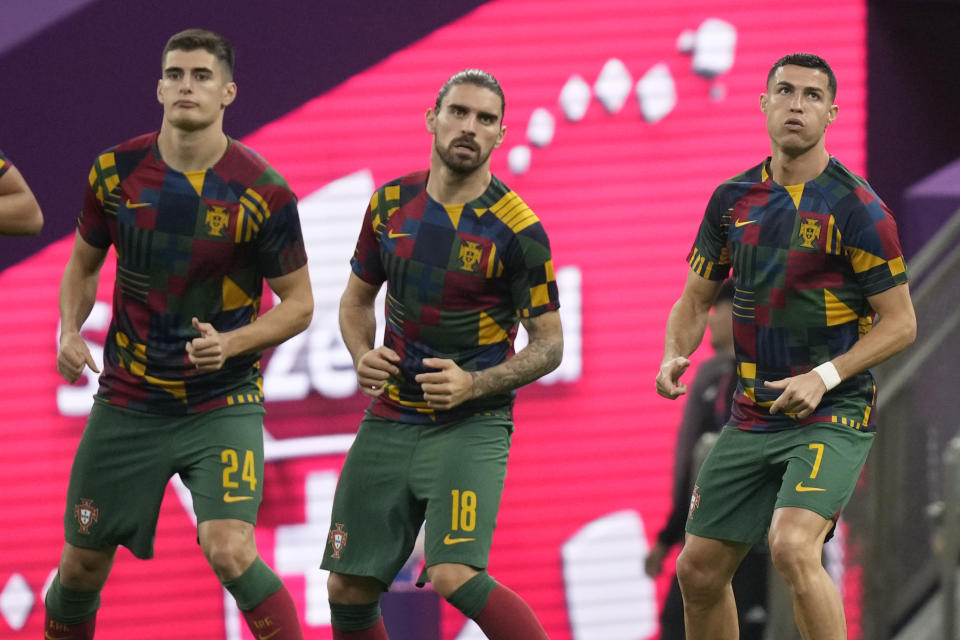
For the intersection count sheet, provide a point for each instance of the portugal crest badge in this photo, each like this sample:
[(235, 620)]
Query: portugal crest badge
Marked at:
[(86, 514), (470, 254), (809, 232), (217, 219), (337, 539)]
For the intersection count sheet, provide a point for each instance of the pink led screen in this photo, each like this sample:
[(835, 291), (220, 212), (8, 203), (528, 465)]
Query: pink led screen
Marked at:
[(622, 116)]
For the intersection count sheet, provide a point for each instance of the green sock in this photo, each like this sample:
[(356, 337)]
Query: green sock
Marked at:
[(257, 583), (472, 595), (354, 617), (68, 606)]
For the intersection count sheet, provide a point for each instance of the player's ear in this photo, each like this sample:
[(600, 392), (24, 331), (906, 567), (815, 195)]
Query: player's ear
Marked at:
[(834, 110), (763, 102), (159, 90), (229, 93), (430, 118), (503, 132)]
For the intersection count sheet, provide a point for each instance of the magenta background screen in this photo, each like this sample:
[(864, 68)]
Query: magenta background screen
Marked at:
[(620, 195)]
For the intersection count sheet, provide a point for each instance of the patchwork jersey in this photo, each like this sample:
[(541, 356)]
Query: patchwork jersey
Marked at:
[(459, 278), (4, 164), (188, 245), (804, 258)]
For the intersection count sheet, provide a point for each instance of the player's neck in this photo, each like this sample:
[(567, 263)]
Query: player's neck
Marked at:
[(788, 169), (448, 187), (195, 150)]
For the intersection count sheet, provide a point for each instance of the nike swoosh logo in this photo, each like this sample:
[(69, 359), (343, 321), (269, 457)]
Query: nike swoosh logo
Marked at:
[(229, 498), (393, 235), (269, 635), (136, 205), (448, 540), (800, 488), (743, 223)]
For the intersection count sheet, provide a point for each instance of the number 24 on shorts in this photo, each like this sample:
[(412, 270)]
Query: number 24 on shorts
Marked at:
[(231, 461)]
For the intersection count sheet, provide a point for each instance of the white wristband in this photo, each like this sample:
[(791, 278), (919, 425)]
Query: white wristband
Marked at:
[(828, 373)]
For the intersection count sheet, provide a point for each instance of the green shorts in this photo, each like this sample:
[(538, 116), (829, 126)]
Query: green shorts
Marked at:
[(748, 475), (126, 458), (396, 476)]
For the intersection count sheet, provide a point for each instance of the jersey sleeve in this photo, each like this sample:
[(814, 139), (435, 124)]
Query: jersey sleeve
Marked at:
[(280, 247), (533, 283), (872, 245), (92, 224), (366, 262), (709, 257)]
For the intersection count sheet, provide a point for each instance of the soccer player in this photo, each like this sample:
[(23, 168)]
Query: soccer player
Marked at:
[(706, 411), (198, 221), (815, 260), (464, 260), (20, 214)]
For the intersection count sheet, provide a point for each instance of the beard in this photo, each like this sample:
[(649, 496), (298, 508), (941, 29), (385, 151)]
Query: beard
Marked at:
[(458, 164)]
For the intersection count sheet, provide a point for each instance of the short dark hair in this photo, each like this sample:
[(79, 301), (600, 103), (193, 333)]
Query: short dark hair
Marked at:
[(475, 77), (193, 39), (809, 61)]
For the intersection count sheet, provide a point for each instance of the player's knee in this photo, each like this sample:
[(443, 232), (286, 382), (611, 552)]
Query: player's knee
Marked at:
[(228, 560), (85, 569), (228, 546), (448, 577), (698, 579), (793, 554), (348, 589), (229, 557)]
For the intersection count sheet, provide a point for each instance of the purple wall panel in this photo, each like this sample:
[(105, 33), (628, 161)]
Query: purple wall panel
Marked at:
[(913, 92), (23, 20), (88, 82), (928, 204)]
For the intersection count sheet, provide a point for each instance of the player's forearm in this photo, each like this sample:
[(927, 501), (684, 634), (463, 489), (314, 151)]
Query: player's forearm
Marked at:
[(686, 325), (19, 212), (538, 358), (358, 327), (20, 215), (78, 293), (888, 337), (288, 318)]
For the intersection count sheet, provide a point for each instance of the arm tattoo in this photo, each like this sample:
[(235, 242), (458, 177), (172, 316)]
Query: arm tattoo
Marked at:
[(537, 359)]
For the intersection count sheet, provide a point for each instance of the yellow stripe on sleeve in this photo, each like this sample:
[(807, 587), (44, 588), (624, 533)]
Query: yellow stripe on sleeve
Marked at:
[(539, 295), (897, 266), (514, 212)]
